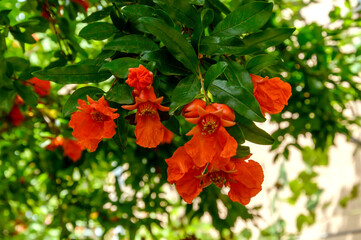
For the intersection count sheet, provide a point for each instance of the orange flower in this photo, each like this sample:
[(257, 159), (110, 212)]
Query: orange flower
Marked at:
[(271, 94), (210, 131), (93, 122), (243, 177), (149, 131), (191, 109), (55, 143), (139, 78), (16, 116), (72, 149), (168, 136), (41, 87)]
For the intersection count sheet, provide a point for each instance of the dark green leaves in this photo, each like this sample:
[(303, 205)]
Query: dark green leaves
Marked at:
[(81, 93), (131, 44), (238, 98), (253, 133), (120, 93), (180, 11), (119, 67), (238, 75), (177, 45), (26, 93), (184, 93), (267, 38), (246, 18), (213, 72), (73, 74), (257, 63), (98, 31), (96, 16)]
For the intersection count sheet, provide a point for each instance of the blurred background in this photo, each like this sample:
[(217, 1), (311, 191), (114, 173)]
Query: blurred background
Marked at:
[(312, 171)]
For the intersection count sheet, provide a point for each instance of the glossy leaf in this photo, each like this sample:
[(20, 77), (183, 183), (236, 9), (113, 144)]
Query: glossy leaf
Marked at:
[(96, 16), (180, 11), (120, 93), (177, 45), (267, 38), (119, 67), (184, 93), (131, 44), (73, 74), (98, 31), (27, 93), (246, 18), (81, 93), (242, 151), (253, 133), (165, 62), (238, 75), (258, 63), (238, 98), (213, 72), (236, 132), (121, 131), (204, 18)]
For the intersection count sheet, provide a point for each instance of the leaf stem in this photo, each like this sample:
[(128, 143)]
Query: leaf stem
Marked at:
[(202, 85)]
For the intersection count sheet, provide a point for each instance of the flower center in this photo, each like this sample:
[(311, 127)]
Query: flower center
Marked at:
[(147, 108), (218, 178), (209, 124), (99, 117)]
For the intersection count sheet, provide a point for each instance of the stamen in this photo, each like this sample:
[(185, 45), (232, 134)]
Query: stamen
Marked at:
[(98, 116), (209, 124), (147, 108), (218, 178)]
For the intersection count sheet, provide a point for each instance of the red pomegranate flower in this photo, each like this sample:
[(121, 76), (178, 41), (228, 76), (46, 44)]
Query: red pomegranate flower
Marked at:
[(139, 78), (271, 94), (149, 131), (210, 131), (41, 87), (93, 122), (16, 116), (55, 143), (168, 136), (72, 149), (243, 177)]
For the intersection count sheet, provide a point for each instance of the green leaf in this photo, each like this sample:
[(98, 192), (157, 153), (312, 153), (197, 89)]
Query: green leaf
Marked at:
[(215, 45), (177, 45), (213, 72), (73, 74), (96, 16), (81, 93), (184, 93), (7, 98), (216, 4), (238, 75), (246, 18), (267, 38), (121, 131), (119, 67), (4, 19), (236, 132), (204, 18), (135, 11), (242, 151), (238, 98), (131, 44), (258, 63), (253, 133), (172, 124), (165, 62), (180, 11), (27, 93), (120, 93), (19, 64), (98, 31)]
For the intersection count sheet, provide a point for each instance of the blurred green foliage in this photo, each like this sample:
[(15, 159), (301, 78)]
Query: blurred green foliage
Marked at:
[(45, 195)]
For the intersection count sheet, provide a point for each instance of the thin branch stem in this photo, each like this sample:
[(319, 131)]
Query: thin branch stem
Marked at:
[(202, 85)]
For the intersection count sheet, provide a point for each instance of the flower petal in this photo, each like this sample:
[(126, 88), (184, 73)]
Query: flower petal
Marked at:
[(189, 187), (149, 131), (178, 165)]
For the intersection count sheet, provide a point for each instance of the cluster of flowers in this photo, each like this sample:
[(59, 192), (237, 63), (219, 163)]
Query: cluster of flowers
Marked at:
[(209, 156)]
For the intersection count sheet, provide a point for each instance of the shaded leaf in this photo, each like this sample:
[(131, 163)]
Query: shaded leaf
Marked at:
[(258, 63), (213, 72), (184, 93), (119, 67), (27, 93), (131, 44), (121, 93), (98, 31)]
